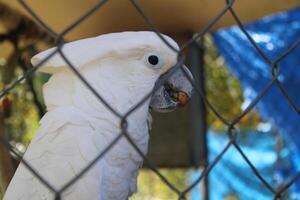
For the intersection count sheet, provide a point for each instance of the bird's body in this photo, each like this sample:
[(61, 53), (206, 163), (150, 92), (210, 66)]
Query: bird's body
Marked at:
[(78, 127), (68, 140)]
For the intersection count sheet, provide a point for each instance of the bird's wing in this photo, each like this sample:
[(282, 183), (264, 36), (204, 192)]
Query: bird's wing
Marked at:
[(63, 146)]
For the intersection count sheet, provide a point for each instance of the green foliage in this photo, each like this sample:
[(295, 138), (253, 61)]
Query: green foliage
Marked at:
[(21, 117), (21, 121), (152, 188), (224, 91)]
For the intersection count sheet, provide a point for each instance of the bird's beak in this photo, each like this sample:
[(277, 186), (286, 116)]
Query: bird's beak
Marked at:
[(175, 91)]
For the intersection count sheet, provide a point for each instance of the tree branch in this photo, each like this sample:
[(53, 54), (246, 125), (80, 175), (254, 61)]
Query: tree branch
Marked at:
[(21, 26), (6, 166), (29, 79)]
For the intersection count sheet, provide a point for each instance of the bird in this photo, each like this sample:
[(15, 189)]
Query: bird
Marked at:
[(123, 68)]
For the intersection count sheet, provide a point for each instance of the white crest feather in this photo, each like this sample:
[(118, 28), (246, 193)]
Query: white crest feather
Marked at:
[(82, 52)]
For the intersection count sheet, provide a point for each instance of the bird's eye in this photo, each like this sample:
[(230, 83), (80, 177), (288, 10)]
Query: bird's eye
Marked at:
[(153, 60)]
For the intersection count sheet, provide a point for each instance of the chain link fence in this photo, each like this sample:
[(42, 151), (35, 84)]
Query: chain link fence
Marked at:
[(232, 131)]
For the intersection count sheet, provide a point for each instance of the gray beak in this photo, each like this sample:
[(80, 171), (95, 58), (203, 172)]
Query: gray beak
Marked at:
[(175, 92)]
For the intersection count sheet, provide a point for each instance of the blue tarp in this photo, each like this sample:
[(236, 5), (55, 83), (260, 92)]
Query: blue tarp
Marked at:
[(232, 175), (274, 35)]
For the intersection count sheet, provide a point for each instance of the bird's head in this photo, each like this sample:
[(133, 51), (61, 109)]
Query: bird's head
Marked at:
[(130, 63)]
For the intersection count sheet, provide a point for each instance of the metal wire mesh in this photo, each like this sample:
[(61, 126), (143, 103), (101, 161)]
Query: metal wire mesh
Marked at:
[(232, 131)]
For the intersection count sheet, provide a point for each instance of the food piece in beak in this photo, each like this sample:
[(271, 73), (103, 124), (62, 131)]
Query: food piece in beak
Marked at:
[(182, 99), (175, 92)]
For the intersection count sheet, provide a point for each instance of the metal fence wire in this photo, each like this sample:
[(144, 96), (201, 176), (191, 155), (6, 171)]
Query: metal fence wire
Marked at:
[(232, 131)]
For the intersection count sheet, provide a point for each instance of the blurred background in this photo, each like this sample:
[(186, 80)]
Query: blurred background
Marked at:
[(226, 67)]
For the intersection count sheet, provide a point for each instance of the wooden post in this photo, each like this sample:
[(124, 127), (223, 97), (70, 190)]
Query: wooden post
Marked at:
[(198, 113), (6, 167)]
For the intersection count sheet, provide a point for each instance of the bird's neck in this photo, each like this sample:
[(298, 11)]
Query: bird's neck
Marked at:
[(121, 95)]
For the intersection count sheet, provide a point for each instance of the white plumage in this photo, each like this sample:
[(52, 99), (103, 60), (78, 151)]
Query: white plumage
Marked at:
[(77, 127)]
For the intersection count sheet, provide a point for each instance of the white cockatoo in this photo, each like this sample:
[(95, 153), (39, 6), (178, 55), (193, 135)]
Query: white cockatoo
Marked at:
[(122, 68)]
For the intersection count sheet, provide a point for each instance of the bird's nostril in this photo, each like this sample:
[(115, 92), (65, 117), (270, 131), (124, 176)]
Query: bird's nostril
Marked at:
[(167, 88)]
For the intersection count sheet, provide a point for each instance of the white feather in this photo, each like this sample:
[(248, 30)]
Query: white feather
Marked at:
[(77, 126)]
